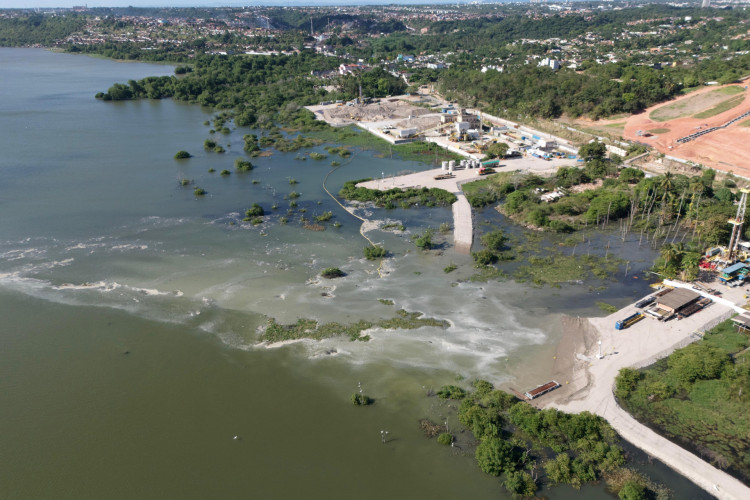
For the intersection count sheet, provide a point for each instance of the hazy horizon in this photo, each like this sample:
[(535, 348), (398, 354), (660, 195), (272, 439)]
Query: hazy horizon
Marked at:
[(46, 4)]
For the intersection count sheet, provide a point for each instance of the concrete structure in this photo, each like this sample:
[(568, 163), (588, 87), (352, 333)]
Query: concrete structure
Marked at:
[(462, 126), (554, 64), (546, 145)]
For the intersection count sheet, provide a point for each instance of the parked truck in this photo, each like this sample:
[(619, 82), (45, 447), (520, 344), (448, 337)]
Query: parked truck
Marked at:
[(629, 321)]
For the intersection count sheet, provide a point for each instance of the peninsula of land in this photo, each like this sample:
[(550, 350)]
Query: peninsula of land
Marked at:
[(588, 377)]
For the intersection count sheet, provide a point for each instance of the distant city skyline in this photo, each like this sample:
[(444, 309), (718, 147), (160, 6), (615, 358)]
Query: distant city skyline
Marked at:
[(46, 4)]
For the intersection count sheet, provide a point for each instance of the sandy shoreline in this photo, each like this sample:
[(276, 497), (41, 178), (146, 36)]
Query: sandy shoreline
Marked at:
[(587, 381)]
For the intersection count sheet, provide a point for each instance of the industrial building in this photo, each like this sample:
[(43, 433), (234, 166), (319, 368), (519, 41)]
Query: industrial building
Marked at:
[(676, 301)]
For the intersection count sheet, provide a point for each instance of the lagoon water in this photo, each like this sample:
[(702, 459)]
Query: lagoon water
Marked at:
[(128, 348)]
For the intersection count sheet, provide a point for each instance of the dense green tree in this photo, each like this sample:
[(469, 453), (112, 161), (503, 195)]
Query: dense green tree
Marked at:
[(631, 175), (496, 150), (632, 490), (495, 456), (594, 150), (255, 211), (520, 484), (494, 240), (484, 257), (697, 362), (483, 422)]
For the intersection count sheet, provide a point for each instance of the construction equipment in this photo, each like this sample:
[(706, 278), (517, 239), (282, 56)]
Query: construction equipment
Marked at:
[(737, 222)]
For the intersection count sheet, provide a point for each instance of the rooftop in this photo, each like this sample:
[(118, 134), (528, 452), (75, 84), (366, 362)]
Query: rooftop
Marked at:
[(677, 298)]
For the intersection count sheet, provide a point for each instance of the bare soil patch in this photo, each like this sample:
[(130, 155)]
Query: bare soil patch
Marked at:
[(374, 112), (691, 104), (580, 188), (721, 107), (724, 149)]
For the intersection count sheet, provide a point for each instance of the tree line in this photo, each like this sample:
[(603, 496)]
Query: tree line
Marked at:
[(259, 90)]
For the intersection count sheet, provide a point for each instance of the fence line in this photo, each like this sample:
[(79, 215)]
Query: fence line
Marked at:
[(693, 337)]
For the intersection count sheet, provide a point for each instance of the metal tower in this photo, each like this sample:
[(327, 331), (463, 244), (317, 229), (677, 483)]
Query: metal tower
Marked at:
[(734, 241)]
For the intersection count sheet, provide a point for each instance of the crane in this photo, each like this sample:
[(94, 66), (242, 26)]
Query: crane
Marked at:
[(734, 241)]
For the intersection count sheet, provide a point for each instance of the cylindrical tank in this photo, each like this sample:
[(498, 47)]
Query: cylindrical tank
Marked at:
[(445, 165), (451, 165)]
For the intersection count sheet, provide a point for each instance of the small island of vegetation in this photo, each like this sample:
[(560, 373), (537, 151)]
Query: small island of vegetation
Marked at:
[(311, 329), (405, 198)]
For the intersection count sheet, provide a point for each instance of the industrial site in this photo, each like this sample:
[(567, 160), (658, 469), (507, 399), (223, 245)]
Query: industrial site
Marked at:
[(427, 117)]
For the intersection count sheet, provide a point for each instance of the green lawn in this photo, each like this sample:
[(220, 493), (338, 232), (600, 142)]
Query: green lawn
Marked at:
[(659, 130)]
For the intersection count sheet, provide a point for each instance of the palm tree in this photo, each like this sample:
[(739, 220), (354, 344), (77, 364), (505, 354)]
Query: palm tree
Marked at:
[(691, 259), (672, 253), (666, 184)]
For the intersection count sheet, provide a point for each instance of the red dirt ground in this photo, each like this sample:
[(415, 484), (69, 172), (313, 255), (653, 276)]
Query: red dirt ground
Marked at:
[(726, 149)]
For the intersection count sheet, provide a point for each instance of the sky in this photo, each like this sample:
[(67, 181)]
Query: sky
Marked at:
[(29, 4)]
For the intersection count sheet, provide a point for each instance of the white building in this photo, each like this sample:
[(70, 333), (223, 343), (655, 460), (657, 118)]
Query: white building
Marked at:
[(550, 63)]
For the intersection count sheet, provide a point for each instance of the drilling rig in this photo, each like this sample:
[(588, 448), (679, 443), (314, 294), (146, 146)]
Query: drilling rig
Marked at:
[(737, 222)]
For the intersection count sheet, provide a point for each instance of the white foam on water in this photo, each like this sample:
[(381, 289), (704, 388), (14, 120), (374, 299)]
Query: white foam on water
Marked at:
[(22, 253), (129, 246)]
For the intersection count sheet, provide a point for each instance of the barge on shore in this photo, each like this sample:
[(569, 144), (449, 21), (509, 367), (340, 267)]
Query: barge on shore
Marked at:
[(541, 389)]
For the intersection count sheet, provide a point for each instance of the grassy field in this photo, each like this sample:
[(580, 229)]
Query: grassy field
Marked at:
[(705, 102), (721, 107), (425, 152), (730, 90), (485, 183), (746, 123), (617, 126), (659, 130), (699, 397)]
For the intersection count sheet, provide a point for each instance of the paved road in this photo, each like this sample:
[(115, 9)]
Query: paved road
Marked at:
[(463, 230), (711, 479)]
